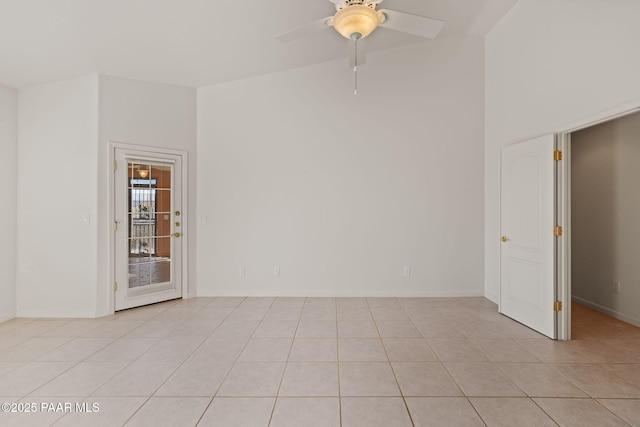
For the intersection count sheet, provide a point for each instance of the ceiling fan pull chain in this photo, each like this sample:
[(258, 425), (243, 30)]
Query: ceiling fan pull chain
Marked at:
[(355, 80), (355, 63), (355, 83)]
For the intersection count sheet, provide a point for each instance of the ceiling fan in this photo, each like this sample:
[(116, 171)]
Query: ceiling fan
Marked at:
[(356, 19)]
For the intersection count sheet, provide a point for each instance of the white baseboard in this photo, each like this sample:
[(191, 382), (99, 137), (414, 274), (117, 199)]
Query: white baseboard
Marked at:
[(7, 316), (608, 311), (57, 314), (428, 294), (491, 297)]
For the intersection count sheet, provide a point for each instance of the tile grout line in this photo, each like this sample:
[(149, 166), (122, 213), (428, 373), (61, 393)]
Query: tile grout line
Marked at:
[(164, 382), (338, 365), (191, 354), (76, 363), (441, 362), (609, 410), (286, 362), (404, 399), (240, 352), (393, 372), (179, 366)]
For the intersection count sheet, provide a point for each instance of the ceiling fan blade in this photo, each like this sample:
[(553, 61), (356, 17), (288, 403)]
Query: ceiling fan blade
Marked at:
[(412, 24), (311, 27), (361, 52)]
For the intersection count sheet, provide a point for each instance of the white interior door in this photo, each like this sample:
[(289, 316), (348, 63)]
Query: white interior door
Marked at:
[(148, 217), (527, 256)]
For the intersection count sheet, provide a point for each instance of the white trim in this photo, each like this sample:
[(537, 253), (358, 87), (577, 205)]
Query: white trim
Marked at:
[(146, 148), (80, 313), (113, 145), (563, 243), (426, 294), (493, 297), (603, 117), (608, 311), (153, 160), (7, 316)]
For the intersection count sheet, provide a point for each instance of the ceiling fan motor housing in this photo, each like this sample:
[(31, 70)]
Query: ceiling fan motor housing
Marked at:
[(357, 17), (341, 4)]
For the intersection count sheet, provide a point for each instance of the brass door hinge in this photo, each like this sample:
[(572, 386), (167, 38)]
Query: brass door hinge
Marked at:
[(557, 230), (115, 286), (115, 165), (557, 155), (557, 306)]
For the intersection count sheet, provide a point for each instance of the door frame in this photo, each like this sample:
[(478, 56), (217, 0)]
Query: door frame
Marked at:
[(563, 207), (150, 150)]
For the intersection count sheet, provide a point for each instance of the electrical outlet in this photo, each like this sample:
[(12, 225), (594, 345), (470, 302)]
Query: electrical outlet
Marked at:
[(243, 271), (276, 271), (406, 271), (616, 287)]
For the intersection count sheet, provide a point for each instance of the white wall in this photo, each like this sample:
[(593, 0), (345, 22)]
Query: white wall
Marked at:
[(550, 64), (56, 241), (605, 232), (341, 191), (149, 114), (8, 146), (63, 193)]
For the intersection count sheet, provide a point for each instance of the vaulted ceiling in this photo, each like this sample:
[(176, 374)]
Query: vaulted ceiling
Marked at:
[(194, 42)]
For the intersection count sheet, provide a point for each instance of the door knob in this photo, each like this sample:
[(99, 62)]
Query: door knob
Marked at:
[(504, 238), (176, 234), (177, 213)]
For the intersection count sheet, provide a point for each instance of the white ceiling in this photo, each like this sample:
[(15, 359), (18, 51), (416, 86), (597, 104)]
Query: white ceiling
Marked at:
[(194, 42)]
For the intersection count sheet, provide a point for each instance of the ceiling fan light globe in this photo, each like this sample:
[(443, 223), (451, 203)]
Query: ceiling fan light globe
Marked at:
[(356, 19)]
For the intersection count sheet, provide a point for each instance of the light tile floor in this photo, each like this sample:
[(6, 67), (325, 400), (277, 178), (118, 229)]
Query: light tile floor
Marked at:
[(318, 362)]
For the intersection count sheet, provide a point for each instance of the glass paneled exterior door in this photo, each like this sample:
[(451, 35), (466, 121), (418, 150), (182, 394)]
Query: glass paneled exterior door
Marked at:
[(149, 224)]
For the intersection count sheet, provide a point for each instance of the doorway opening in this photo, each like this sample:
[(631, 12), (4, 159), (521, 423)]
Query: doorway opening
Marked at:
[(603, 176)]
